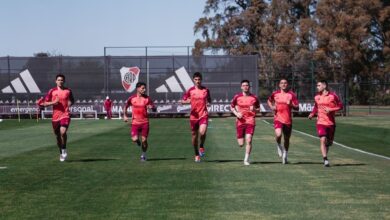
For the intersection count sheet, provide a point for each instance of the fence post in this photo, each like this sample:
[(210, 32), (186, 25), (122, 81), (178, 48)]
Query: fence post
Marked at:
[(312, 77)]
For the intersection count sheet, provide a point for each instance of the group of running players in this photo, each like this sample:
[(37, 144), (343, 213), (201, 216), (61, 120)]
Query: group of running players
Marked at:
[(244, 106)]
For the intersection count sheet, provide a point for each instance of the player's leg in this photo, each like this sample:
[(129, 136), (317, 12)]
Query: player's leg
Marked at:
[(324, 150), (195, 145), (278, 137), (194, 138), (322, 134), (286, 135), (57, 133), (330, 135), (144, 148), (144, 139), (202, 134), (134, 134), (248, 148), (64, 138), (240, 142), (240, 131)]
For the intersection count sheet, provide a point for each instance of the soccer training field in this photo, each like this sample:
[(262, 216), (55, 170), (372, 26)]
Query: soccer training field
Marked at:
[(104, 179)]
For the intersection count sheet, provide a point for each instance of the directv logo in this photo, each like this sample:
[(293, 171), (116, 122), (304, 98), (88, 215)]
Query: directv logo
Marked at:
[(174, 85), (18, 85)]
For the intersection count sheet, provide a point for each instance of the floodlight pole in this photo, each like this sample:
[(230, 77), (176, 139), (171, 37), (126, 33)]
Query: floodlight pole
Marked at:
[(147, 76), (147, 71)]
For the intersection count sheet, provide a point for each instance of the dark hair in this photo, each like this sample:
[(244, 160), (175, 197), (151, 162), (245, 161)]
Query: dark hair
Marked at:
[(245, 81), (197, 74), (283, 78), (324, 82), (60, 75), (139, 84)]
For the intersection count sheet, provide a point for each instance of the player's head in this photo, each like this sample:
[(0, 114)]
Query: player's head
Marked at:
[(322, 85), (283, 84), (141, 88), (60, 80), (107, 97), (245, 85), (197, 78)]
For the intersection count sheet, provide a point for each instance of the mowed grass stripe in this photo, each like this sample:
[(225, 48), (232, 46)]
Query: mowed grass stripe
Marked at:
[(371, 134), (104, 179), (29, 135)]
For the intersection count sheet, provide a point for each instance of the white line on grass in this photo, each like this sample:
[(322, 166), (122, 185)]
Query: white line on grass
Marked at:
[(2, 168), (341, 145)]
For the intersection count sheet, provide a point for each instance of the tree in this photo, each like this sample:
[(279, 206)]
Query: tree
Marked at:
[(334, 39)]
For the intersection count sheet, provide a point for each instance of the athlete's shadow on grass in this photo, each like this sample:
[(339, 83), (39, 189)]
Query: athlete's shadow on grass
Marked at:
[(87, 160), (234, 161), (162, 159), (347, 164), (332, 165), (294, 163)]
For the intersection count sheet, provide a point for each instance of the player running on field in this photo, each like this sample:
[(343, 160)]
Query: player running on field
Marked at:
[(244, 106), (282, 102), (61, 98), (327, 103), (199, 97), (140, 103)]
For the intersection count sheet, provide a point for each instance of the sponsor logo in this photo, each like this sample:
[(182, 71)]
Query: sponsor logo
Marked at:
[(24, 110), (163, 108), (18, 87), (305, 107), (218, 108), (183, 107), (129, 77), (173, 84), (81, 108)]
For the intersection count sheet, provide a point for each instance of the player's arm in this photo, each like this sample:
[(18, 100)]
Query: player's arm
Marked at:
[(186, 99), (128, 104), (71, 98), (46, 102), (40, 101), (208, 97), (256, 105), (338, 103), (271, 102), (294, 102), (233, 108), (313, 112), (151, 105), (236, 112)]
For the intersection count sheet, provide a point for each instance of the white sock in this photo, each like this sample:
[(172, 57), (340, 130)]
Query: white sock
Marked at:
[(246, 157), (280, 147), (285, 153), (144, 154)]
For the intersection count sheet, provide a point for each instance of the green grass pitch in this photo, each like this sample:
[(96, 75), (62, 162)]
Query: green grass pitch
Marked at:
[(104, 179)]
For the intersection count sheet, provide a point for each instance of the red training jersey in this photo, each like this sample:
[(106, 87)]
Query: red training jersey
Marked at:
[(61, 109), (139, 106), (107, 104), (246, 105), (330, 101), (199, 98), (283, 110)]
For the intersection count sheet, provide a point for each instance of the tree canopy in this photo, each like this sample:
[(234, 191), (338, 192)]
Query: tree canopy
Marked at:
[(337, 39)]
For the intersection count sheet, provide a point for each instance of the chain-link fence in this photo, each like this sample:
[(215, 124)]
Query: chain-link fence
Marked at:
[(25, 79)]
